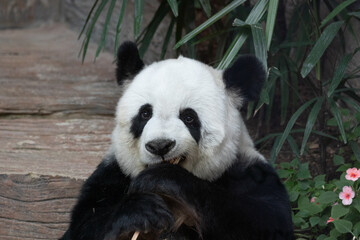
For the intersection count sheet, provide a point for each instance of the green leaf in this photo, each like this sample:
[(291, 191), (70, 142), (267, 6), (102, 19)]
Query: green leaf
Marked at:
[(174, 7), (303, 172), (343, 226), (105, 28), (273, 150), (304, 185), (257, 12), (159, 15), (351, 102), (254, 17), (321, 237), (138, 16), (284, 88), (355, 14), (319, 181), (310, 122), (239, 23), (264, 96), (338, 160), (324, 135), (331, 238), (189, 24), (293, 196), (334, 234), (87, 18), (336, 11), (328, 197), (291, 123), (314, 221), (259, 43), (206, 6), (338, 211), (343, 167), (270, 21), (357, 229), (118, 26), (320, 46), (293, 145), (283, 173), (91, 27), (339, 74), (335, 111), (356, 150), (298, 220), (232, 50), (250, 109), (331, 122), (210, 21), (308, 208), (356, 204), (167, 38)]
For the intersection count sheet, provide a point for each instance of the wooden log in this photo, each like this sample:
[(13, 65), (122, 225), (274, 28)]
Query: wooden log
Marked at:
[(41, 74), (35, 207), (56, 118), (63, 147)]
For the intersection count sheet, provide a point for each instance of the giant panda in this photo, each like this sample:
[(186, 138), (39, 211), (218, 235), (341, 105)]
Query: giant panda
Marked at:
[(182, 164)]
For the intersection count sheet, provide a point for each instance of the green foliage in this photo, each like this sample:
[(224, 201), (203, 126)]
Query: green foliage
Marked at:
[(318, 212)]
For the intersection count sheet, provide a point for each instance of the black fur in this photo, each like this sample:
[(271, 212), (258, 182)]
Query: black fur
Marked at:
[(101, 194), (128, 62), (244, 203), (246, 75), (194, 126), (139, 121)]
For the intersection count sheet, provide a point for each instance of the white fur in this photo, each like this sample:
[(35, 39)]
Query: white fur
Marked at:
[(170, 86)]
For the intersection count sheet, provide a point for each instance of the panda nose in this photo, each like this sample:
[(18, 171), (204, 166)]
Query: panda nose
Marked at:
[(160, 147)]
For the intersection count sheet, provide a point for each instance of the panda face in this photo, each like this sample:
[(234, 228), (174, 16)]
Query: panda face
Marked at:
[(174, 110), (179, 111)]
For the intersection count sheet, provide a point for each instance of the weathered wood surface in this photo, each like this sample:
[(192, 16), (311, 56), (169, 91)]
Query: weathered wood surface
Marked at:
[(24, 13), (35, 207), (56, 117), (56, 147), (40, 73)]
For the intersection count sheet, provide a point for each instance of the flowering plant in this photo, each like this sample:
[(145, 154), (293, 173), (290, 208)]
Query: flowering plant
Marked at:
[(324, 210)]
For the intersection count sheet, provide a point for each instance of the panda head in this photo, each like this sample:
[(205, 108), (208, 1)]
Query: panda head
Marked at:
[(183, 112)]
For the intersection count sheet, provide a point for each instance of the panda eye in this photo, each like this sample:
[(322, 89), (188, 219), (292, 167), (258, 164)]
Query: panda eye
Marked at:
[(145, 114), (188, 119)]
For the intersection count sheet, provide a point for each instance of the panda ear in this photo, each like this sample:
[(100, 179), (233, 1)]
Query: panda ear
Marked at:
[(246, 75), (128, 62)]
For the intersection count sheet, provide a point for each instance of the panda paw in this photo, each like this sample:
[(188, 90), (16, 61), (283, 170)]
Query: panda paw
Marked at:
[(145, 213), (164, 179)]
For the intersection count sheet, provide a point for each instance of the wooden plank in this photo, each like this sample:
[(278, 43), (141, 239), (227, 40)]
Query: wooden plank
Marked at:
[(25, 13), (56, 118), (35, 207), (40, 73), (64, 147)]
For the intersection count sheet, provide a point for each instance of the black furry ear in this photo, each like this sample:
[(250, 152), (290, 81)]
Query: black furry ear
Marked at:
[(247, 74), (128, 62)]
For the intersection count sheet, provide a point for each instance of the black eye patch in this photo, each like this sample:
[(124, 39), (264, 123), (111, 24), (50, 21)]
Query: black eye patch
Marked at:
[(140, 120), (192, 122)]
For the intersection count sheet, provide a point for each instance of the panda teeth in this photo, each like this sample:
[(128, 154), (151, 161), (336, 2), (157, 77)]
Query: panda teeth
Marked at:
[(177, 160)]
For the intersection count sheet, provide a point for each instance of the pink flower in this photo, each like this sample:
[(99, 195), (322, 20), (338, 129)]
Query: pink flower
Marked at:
[(330, 220), (347, 195), (312, 200), (352, 174)]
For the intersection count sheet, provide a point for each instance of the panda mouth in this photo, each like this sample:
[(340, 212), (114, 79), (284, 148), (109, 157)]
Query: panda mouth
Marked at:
[(176, 160)]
